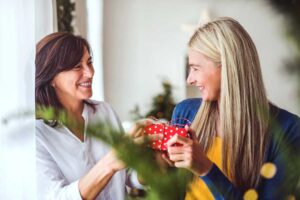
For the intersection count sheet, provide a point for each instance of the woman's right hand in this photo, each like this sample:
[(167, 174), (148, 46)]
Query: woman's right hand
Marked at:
[(137, 129), (112, 161), (137, 132), (97, 178)]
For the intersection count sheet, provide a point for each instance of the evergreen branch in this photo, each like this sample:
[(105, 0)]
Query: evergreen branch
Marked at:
[(163, 183)]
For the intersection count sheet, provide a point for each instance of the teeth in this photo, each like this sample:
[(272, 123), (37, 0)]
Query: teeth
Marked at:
[(86, 84)]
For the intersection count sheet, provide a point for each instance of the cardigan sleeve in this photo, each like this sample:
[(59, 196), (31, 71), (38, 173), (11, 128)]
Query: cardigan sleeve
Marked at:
[(280, 152), (278, 187)]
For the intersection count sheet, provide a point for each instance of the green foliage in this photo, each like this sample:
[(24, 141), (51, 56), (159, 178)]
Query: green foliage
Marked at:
[(290, 156), (163, 183), (162, 105), (64, 15), (291, 11)]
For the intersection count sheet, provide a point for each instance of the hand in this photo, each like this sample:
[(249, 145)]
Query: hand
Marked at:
[(190, 155), (91, 184), (137, 132), (137, 129), (113, 163)]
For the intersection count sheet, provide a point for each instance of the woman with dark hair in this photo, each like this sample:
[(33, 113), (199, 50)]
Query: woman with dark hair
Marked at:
[(71, 165)]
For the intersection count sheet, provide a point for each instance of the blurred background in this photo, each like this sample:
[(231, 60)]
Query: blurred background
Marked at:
[(137, 46), (143, 43)]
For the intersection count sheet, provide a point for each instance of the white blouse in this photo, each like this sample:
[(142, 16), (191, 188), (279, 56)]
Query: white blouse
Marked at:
[(62, 158)]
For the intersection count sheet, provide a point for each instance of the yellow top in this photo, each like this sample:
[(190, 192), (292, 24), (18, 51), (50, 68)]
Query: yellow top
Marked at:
[(198, 189)]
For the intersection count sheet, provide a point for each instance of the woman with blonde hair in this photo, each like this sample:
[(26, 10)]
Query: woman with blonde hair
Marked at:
[(232, 129)]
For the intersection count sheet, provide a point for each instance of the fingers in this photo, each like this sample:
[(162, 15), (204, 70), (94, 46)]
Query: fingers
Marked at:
[(137, 133), (181, 156), (191, 132), (137, 129), (179, 150), (182, 164), (155, 137), (177, 157), (166, 158), (182, 159), (178, 139)]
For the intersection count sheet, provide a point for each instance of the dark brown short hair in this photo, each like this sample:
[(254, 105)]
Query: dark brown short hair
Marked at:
[(55, 53)]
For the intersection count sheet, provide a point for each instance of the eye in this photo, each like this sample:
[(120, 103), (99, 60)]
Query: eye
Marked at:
[(90, 63), (77, 67), (194, 69)]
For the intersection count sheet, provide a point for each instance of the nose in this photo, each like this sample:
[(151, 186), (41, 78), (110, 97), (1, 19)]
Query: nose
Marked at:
[(190, 79)]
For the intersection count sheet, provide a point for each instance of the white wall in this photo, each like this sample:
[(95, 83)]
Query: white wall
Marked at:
[(88, 24), (143, 44)]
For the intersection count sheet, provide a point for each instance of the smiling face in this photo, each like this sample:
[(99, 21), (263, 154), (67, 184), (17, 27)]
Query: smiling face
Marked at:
[(75, 84), (205, 75)]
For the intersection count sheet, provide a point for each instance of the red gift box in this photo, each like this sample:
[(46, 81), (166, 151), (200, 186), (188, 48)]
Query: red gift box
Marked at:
[(168, 132)]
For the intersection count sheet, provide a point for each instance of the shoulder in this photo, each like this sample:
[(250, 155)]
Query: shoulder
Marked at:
[(287, 121), (45, 135), (100, 108), (187, 109), (102, 105), (191, 104), (285, 127), (41, 127), (104, 112)]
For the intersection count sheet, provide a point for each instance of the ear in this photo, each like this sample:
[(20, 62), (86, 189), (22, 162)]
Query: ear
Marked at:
[(52, 83)]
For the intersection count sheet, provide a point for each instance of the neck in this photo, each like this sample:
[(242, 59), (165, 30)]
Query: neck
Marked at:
[(72, 107), (74, 114)]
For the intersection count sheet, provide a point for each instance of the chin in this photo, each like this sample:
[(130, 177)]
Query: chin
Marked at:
[(209, 99), (84, 97)]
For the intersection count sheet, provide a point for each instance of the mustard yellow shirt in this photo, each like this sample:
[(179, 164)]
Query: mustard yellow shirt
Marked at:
[(198, 189)]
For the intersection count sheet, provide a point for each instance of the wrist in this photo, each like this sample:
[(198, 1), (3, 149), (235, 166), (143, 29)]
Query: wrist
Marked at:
[(105, 167), (204, 168), (207, 168)]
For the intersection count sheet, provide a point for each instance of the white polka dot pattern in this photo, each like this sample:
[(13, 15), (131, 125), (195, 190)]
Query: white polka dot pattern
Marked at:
[(168, 132)]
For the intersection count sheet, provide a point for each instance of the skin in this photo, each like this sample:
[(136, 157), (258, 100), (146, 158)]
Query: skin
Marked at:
[(71, 92), (206, 76)]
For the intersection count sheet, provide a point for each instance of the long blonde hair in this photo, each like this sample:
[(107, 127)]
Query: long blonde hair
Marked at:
[(243, 110)]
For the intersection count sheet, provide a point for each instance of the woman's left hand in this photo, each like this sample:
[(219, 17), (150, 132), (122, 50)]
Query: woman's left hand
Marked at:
[(190, 155)]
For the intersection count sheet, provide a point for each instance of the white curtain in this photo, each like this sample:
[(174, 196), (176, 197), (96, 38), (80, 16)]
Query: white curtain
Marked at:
[(21, 23)]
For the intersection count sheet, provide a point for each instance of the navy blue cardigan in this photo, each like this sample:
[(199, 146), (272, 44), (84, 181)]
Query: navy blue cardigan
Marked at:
[(282, 144)]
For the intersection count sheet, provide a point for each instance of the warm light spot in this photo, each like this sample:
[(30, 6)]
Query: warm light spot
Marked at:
[(268, 170), (251, 195), (291, 197)]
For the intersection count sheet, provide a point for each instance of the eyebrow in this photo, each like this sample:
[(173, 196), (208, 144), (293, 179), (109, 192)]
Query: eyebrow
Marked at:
[(90, 58), (194, 65)]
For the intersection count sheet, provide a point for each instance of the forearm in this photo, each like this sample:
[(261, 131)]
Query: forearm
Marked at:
[(220, 186), (96, 179)]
